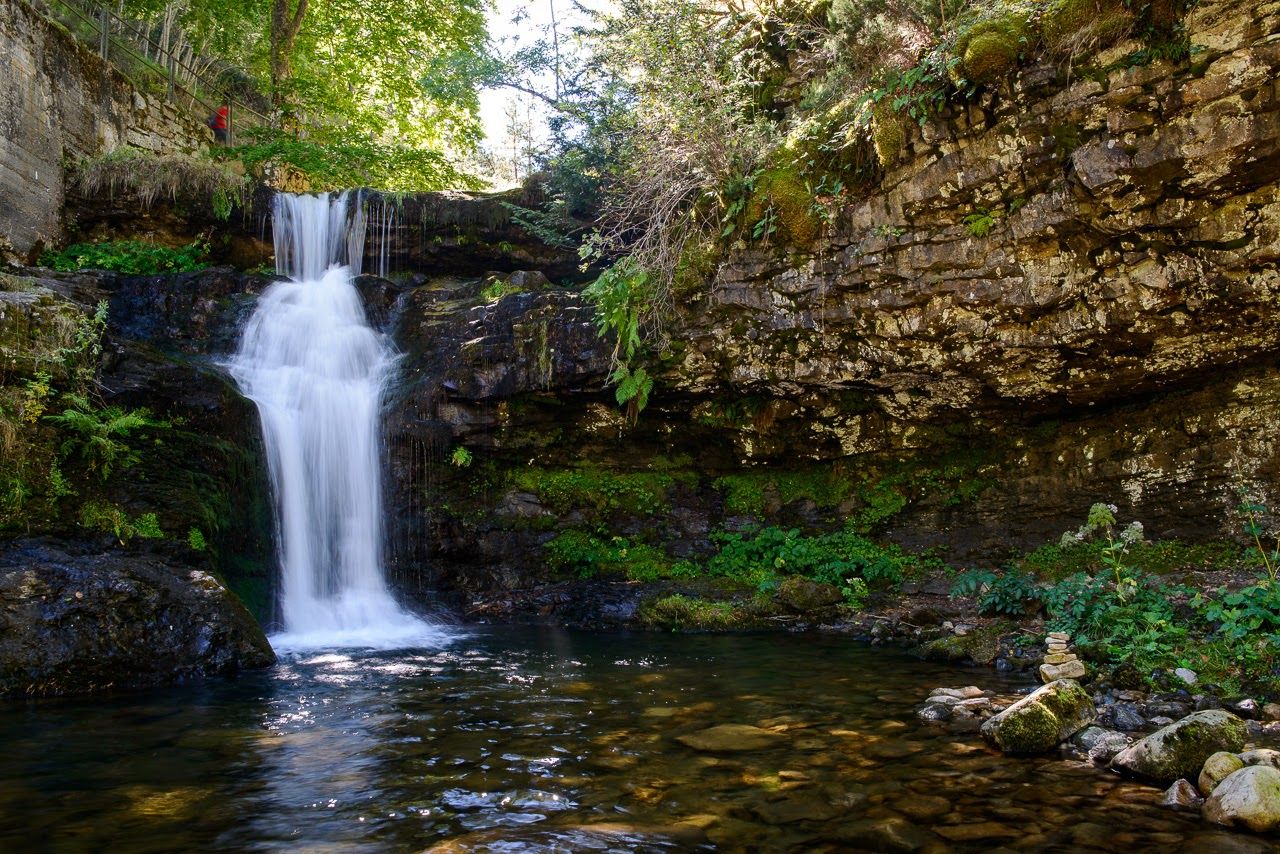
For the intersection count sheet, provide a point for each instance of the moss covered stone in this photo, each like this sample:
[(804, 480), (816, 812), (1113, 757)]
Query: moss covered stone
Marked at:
[(887, 133), (1182, 748), (989, 49), (781, 193), (1077, 26), (1040, 721), (980, 646)]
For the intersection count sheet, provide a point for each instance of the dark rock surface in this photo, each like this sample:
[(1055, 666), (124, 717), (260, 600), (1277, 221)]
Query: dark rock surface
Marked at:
[(74, 620)]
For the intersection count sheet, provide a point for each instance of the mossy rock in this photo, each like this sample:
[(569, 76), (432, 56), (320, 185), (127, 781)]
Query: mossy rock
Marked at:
[(1182, 748), (680, 613), (783, 190), (697, 263), (980, 646), (1040, 721), (888, 133), (802, 595), (1078, 26), (989, 49)]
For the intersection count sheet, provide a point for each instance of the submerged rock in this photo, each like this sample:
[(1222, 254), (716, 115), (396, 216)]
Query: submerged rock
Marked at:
[(1249, 797), (72, 622), (1040, 721), (1181, 748), (731, 738), (1182, 796)]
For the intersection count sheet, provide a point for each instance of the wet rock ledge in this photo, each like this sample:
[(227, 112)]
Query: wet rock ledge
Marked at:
[(80, 619)]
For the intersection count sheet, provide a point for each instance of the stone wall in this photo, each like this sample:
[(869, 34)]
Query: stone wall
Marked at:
[(60, 102)]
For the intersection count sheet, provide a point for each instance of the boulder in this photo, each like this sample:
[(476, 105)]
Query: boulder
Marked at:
[(1217, 768), (77, 619), (1099, 744), (802, 595), (1181, 748), (1039, 721), (1249, 797)]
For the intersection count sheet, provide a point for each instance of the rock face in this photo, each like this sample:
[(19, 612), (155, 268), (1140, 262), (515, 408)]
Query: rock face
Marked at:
[(1109, 339), (1250, 797), (73, 622), (1043, 719), (1182, 748), (61, 102)]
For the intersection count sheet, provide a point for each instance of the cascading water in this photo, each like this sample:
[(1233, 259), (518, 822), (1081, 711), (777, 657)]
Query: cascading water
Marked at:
[(316, 371)]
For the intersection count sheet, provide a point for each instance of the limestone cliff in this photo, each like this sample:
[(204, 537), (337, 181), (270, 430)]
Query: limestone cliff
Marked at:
[(1109, 336)]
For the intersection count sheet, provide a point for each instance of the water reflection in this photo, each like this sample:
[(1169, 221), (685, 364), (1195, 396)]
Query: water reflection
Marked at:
[(551, 741)]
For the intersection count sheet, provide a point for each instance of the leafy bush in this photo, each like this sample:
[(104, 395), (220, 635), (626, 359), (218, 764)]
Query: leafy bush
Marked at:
[(1012, 592), (111, 519), (759, 559), (588, 556), (128, 256)]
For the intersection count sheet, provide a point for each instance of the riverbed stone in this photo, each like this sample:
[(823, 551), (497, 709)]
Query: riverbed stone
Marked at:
[(1181, 748), (1040, 721), (1250, 797), (1099, 744), (1217, 768), (731, 738), (1261, 756), (1182, 796), (889, 834)]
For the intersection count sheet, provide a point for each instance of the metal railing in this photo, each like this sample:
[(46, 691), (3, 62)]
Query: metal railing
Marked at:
[(132, 47)]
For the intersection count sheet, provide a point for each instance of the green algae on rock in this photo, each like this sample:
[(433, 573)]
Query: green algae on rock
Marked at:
[(1182, 748), (1042, 720)]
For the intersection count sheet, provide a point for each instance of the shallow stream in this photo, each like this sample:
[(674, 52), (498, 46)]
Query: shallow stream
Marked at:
[(544, 740)]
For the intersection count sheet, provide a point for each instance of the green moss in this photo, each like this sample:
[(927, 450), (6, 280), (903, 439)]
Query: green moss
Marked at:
[(783, 191), (1163, 557), (1078, 26), (989, 49), (888, 133), (748, 493), (684, 613), (594, 489), (693, 271), (981, 645)]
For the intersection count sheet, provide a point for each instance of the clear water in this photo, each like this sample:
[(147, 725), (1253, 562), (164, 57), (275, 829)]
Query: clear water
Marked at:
[(526, 740), (316, 370)]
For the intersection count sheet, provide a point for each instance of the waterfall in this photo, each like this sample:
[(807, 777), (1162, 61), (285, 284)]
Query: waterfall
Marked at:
[(316, 371)]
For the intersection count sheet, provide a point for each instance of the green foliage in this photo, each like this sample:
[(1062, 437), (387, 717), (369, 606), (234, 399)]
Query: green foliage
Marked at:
[(128, 256), (101, 435), (1013, 592), (552, 226), (341, 161), (111, 519), (759, 559), (588, 556), (745, 493), (678, 612), (461, 457), (594, 489), (195, 540), (980, 222), (623, 297)]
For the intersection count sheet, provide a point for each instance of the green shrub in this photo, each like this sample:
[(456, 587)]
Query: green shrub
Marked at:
[(588, 556), (101, 435), (128, 256)]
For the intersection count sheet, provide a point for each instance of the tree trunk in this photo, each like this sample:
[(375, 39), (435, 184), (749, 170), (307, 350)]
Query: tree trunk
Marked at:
[(284, 30)]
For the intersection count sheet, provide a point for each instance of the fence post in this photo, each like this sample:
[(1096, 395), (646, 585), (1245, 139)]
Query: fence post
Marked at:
[(104, 37)]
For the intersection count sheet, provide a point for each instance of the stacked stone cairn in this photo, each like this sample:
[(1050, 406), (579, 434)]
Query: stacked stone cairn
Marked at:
[(1059, 661)]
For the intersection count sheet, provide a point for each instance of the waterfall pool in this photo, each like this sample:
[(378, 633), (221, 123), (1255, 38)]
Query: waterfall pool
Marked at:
[(520, 739)]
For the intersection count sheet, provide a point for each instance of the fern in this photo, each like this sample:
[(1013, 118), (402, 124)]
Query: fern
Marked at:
[(100, 434)]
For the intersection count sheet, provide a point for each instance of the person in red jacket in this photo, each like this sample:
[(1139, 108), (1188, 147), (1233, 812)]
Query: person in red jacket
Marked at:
[(217, 121)]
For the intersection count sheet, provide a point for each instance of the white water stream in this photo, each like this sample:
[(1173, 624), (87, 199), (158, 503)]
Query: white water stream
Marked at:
[(316, 371)]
